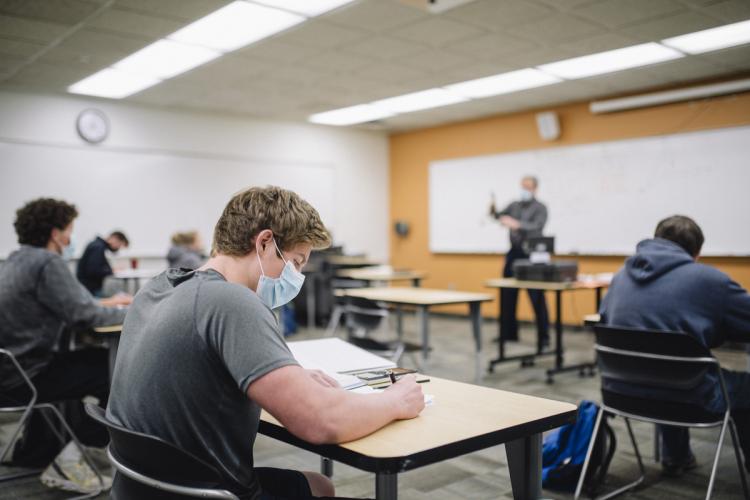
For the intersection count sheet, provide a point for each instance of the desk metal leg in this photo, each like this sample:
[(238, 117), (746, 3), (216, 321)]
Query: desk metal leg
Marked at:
[(386, 486), (476, 330), (416, 282), (525, 465), (326, 467), (598, 298), (558, 330), (424, 331), (399, 322)]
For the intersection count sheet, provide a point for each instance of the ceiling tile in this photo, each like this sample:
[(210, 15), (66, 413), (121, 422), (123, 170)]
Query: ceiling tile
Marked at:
[(673, 25), (229, 70), (435, 60), (390, 73), (600, 43), (68, 12), (495, 15), (537, 57), (436, 31), (337, 62), (89, 61), (618, 13), (134, 23), (565, 5), (376, 15), (492, 45), (171, 92), (9, 63), (321, 34), (689, 69), (48, 76), (186, 10), (89, 41), (19, 48), (474, 70), (729, 11), (26, 29), (277, 51), (554, 30), (629, 80), (737, 58), (381, 47)]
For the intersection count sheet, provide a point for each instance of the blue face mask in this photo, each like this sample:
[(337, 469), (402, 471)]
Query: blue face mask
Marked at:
[(526, 195), (69, 250), (275, 292)]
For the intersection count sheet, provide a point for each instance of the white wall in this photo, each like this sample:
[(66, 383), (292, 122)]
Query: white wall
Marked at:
[(34, 130)]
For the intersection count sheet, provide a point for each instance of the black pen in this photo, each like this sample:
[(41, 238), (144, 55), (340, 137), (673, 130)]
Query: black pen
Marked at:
[(393, 377)]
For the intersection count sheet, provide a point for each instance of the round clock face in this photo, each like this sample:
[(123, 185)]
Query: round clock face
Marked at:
[(92, 125)]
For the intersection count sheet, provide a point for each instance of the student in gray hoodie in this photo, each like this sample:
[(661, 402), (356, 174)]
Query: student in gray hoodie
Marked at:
[(663, 287), (39, 299)]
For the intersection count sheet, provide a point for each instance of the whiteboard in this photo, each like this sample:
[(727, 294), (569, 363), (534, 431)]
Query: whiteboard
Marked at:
[(602, 198), (148, 195)]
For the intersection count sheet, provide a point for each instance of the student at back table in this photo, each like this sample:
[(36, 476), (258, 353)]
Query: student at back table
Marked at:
[(663, 287), (210, 339), (93, 265), (39, 297)]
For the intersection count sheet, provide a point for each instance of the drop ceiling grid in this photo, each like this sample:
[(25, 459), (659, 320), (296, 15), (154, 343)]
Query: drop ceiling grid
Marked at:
[(368, 50)]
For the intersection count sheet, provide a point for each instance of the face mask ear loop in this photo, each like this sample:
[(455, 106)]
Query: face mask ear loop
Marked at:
[(259, 263), (279, 251)]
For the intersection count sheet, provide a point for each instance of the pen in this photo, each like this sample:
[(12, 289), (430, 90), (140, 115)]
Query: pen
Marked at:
[(393, 378)]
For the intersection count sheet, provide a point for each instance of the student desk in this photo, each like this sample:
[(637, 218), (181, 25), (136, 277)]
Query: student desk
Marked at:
[(558, 288), (422, 299), (350, 261), (374, 275), (463, 418)]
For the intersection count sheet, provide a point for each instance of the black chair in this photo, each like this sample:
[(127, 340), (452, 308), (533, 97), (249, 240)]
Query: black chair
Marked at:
[(155, 469), (673, 361), (26, 409)]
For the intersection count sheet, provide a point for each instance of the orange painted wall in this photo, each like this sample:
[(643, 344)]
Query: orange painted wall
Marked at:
[(411, 153)]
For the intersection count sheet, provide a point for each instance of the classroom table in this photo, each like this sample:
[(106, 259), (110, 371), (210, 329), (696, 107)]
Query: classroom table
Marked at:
[(422, 299), (376, 275), (350, 261), (134, 276), (558, 288), (462, 419)]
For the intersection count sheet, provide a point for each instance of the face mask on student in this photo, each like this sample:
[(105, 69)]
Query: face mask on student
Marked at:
[(526, 195), (68, 251), (275, 292)]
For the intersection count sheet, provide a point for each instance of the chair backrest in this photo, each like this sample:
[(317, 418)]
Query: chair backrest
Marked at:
[(364, 313), (672, 362), (155, 458)]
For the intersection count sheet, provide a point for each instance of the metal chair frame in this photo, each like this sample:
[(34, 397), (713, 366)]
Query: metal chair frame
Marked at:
[(724, 422), (26, 414)]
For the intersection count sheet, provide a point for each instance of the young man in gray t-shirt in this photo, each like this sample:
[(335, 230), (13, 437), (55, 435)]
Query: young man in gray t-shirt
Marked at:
[(201, 354)]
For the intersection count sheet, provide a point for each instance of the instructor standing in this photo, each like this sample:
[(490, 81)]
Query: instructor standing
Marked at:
[(525, 219)]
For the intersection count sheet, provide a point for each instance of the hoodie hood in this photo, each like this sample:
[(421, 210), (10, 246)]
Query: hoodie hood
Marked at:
[(176, 253), (654, 258)]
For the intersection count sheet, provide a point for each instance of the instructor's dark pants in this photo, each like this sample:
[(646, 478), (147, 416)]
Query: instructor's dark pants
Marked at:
[(69, 377), (509, 300)]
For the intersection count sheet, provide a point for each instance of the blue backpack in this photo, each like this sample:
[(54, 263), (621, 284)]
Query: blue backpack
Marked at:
[(564, 451)]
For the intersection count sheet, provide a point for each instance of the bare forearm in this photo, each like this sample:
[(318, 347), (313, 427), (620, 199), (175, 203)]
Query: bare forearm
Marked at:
[(358, 415)]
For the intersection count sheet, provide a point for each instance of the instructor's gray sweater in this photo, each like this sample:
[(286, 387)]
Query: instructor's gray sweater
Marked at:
[(39, 297)]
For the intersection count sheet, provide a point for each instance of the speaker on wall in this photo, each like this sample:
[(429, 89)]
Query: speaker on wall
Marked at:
[(548, 125)]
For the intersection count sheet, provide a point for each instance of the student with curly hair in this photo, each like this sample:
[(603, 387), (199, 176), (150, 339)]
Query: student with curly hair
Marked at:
[(39, 298)]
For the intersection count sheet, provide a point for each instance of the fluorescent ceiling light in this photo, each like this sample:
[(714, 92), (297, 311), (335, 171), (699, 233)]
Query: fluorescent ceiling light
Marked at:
[(611, 60), (164, 59), (712, 39), (236, 25), (351, 115), (431, 98), (308, 8), (503, 83), (112, 83)]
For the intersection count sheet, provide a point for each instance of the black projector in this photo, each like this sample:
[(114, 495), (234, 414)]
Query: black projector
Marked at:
[(557, 271)]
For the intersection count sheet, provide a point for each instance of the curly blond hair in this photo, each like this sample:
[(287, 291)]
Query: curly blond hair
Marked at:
[(291, 219)]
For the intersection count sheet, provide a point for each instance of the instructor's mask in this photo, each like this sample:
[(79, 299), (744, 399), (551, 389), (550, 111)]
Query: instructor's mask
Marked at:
[(526, 195), (275, 292), (67, 252)]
